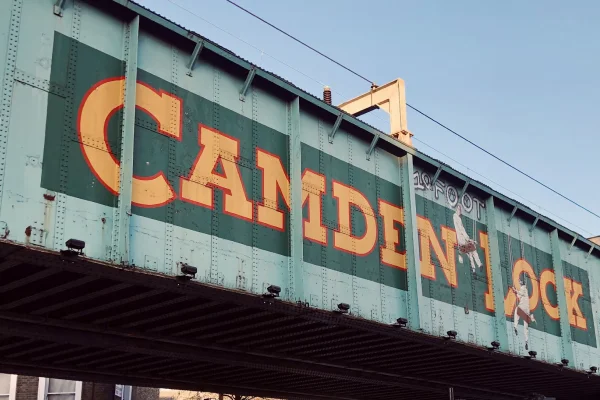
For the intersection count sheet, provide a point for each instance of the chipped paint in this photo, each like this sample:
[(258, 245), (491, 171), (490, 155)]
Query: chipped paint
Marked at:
[(48, 216), (28, 235), (4, 229)]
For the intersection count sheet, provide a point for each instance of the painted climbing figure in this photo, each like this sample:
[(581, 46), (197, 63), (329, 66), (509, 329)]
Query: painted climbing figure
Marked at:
[(466, 245), (522, 311)]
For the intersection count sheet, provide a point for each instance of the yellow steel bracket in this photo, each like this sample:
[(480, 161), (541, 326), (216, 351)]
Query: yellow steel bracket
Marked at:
[(391, 98)]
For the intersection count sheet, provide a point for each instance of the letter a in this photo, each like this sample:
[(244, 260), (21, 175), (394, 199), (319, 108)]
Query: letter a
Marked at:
[(197, 188)]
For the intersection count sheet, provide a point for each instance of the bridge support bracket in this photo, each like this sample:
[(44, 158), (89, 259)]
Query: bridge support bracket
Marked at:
[(464, 189), (336, 126), (247, 83), (197, 49), (589, 252), (58, 7), (573, 242), (437, 175), (372, 146), (537, 218), (512, 214)]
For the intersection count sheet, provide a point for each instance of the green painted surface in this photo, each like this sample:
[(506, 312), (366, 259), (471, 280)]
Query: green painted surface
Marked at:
[(585, 304), (511, 250), (471, 288), (368, 267), (151, 158)]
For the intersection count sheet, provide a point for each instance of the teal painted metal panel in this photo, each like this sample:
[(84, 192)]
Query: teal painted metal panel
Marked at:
[(415, 288), (580, 272), (122, 214), (497, 282), (261, 196), (5, 17), (296, 273), (12, 29), (454, 258), (557, 262), (400, 147)]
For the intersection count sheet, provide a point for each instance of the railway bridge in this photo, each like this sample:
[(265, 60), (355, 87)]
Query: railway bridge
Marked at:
[(174, 216)]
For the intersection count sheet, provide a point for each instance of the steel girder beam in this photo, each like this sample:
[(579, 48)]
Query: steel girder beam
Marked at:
[(149, 381), (120, 250), (296, 263), (415, 289), (566, 342), (201, 292), (497, 282), (216, 295), (78, 334)]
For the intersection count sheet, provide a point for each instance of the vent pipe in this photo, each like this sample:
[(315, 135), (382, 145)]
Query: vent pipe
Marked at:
[(327, 95)]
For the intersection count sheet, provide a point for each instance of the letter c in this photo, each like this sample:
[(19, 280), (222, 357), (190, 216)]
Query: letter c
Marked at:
[(98, 105)]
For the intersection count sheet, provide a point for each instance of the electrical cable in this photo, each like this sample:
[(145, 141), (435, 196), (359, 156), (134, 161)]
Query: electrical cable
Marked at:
[(343, 95), (420, 112), (525, 200), (248, 43), (502, 161), (299, 41)]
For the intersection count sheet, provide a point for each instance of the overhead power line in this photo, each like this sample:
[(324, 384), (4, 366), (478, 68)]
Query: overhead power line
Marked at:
[(299, 41), (418, 111), (502, 161), (379, 117), (485, 178)]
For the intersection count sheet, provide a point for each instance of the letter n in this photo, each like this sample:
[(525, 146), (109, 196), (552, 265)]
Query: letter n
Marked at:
[(427, 241)]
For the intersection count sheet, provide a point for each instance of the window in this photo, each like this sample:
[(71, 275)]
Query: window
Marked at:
[(4, 386), (8, 386), (58, 389)]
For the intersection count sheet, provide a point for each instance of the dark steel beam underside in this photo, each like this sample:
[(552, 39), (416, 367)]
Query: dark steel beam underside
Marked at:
[(81, 319)]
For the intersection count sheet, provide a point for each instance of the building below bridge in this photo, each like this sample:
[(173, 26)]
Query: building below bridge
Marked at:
[(21, 387)]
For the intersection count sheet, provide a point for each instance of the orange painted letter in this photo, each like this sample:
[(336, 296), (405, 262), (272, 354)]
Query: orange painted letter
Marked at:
[(489, 294), (522, 267), (573, 291), (274, 179), (427, 241), (343, 239), (216, 147), (313, 188), (547, 277), (390, 215)]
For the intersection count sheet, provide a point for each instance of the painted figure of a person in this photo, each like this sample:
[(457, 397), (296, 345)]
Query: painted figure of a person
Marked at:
[(522, 311), (466, 245)]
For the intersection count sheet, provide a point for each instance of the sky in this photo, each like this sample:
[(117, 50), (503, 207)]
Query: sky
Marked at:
[(519, 78)]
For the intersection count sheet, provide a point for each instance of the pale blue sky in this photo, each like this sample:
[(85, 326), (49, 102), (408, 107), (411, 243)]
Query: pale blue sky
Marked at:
[(520, 78)]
